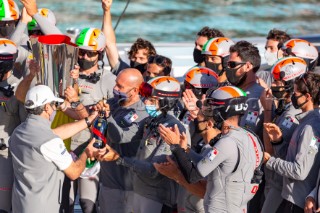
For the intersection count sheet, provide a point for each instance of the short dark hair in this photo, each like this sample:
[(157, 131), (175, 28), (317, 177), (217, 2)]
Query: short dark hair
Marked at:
[(210, 32), (139, 44), (247, 52), (162, 61), (309, 83), (278, 35), (36, 111)]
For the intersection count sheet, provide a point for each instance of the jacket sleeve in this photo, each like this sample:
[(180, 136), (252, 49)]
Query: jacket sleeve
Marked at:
[(306, 153), (46, 27)]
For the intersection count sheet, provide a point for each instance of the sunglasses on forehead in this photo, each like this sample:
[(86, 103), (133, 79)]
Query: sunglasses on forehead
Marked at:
[(88, 53), (234, 64), (157, 59)]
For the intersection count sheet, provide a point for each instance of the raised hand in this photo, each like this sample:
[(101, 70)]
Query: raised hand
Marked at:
[(169, 135), (31, 6), (273, 131), (106, 4), (190, 102)]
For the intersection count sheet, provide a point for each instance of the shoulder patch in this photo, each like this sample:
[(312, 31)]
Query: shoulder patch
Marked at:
[(315, 142), (212, 154), (287, 122)]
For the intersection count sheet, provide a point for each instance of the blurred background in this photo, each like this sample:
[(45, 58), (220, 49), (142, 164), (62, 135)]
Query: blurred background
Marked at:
[(179, 20)]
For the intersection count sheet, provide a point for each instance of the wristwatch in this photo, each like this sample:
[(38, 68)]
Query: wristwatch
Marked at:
[(74, 104)]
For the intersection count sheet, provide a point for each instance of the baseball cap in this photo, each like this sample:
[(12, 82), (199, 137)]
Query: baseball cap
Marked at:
[(40, 95)]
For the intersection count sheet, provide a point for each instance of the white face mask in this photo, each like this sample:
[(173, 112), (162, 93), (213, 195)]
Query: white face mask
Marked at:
[(53, 114), (270, 57)]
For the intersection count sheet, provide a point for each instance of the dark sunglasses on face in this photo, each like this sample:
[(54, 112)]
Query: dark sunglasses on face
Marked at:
[(88, 53), (7, 23), (55, 103), (158, 59), (234, 64), (35, 32)]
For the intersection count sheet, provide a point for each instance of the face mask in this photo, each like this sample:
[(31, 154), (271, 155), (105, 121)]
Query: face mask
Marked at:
[(218, 121), (53, 114), (6, 32), (152, 110), (147, 78), (5, 66), (294, 101), (120, 96), (270, 57), (85, 64), (141, 67), (197, 56), (233, 79), (277, 93), (214, 67)]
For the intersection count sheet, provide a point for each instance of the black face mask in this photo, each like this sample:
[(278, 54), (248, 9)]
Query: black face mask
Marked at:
[(6, 32), (147, 78), (294, 101), (214, 67), (218, 121), (141, 67), (277, 92), (86, 64), (197, 56), (233, 79), (5, 66), (8, 91)]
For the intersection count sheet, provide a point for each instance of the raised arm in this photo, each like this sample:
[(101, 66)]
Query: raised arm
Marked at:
[(107, 29)]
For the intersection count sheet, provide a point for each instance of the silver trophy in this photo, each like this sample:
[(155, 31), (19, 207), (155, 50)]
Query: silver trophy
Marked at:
[(56, 56)]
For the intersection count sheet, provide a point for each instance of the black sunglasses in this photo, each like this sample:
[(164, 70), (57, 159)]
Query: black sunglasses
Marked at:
[(157, 59), (88, 53), (55, 103), (234, 64)]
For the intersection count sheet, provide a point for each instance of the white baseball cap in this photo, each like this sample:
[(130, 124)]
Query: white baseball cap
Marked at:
[(40, 95)]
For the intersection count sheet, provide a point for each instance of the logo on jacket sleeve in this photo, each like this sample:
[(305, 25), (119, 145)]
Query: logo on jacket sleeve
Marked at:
[(212, 154)]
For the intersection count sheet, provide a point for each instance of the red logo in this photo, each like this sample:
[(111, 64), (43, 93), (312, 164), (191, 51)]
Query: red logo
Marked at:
[(254, 189)]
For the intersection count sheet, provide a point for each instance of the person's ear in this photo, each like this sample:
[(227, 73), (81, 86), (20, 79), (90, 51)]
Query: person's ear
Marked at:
[(248, 66), (46, 107), (210, 123)]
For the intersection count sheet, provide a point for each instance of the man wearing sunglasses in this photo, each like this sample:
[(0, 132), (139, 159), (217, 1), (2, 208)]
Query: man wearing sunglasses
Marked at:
[(242, 66), (40, 158), (157, 65), (138, 54), (95, 84)]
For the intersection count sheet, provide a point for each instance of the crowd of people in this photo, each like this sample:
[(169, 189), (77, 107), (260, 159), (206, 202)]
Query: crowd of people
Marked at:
[(232, 137)]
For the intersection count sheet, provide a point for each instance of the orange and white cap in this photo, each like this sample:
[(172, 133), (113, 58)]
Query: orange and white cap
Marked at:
[(91, 39), (201, 77), (9, 10), (289, 68), (217, 46)]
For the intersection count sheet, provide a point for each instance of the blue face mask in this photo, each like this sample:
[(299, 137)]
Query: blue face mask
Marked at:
[(120, 96), (152, 110)]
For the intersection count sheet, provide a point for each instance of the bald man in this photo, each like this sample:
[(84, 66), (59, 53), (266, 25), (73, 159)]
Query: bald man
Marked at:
[(124, 132)]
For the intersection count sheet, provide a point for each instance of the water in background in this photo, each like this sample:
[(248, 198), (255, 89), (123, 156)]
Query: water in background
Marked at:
[(179, 20)]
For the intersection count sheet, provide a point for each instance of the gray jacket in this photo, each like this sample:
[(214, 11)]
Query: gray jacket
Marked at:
[(229, 166), (38, 183), (12, 112), (300, 169), (147, 181), (124, 133)]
